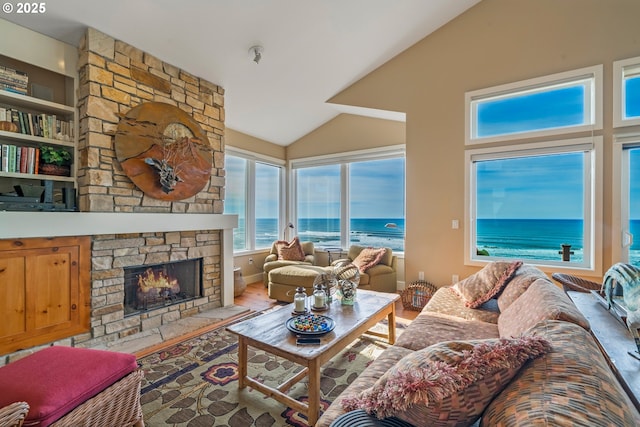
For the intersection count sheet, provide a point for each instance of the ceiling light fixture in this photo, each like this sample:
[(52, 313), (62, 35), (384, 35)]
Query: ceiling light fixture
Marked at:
[(255, 53)]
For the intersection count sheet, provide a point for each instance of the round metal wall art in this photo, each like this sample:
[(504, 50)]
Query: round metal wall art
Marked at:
[(164, 151)]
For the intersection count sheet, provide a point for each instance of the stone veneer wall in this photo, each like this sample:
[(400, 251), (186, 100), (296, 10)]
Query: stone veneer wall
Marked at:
[(113, 78)]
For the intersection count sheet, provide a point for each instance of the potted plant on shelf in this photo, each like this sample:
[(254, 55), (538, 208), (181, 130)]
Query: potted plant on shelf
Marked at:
[(55, 161)]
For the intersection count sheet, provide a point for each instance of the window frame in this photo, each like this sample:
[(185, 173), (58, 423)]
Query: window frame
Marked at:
[(250, 194), (593, 108), (619, 95), (343, 159), (592, 245)]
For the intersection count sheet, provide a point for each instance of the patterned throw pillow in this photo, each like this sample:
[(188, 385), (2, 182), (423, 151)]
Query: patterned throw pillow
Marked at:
[(368, 257), (479, 288), (290, 251), (449, 383)]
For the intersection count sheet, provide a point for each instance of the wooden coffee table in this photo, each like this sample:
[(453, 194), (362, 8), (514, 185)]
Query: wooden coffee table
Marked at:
[(268, 332)]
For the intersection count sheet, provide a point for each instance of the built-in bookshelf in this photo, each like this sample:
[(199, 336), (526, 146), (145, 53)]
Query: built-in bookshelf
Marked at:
[(40, 103)]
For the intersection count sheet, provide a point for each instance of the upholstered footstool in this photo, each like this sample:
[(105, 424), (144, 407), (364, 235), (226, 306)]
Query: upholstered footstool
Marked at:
[(66, 386), (283, 281)]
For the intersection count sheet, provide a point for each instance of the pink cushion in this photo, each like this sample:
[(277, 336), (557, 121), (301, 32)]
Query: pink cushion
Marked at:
[(368, 257), (55, 380), (290, 251)]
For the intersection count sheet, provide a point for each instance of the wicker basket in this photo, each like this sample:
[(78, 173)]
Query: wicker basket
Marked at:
[(417, 295), (13, 415)]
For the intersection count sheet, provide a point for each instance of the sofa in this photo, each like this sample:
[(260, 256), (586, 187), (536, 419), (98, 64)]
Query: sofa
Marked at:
[(380, 277), (274, 260), (549, 372)]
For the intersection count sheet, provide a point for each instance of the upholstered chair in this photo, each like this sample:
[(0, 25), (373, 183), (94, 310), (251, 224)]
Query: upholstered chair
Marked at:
[(272, 262), (380, 277)]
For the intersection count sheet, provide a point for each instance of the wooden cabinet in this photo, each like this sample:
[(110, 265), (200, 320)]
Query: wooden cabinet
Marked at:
[(44, 290)]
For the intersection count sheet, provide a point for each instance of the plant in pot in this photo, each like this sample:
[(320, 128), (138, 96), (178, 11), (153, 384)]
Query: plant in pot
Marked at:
[(55, 161)]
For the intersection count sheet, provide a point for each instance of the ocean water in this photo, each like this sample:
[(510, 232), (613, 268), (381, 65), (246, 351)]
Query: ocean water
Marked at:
[(325, 232), (538, 239)]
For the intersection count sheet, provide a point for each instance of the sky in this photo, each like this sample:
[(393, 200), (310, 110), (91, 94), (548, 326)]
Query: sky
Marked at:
[(377, 190)]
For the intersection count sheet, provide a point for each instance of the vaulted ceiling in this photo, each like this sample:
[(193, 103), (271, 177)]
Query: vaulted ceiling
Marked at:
[(312, 49)]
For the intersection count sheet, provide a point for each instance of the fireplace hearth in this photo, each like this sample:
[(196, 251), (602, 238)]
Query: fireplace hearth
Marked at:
[(149, 287)]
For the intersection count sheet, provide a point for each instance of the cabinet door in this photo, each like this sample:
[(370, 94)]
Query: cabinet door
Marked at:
[(52, 287), (12, 294), (44, 289)]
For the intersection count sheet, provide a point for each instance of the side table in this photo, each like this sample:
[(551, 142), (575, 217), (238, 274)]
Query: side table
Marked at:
[(331, 251), (615, 342)]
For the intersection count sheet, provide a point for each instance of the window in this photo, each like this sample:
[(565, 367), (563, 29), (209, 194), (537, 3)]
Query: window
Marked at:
[(352, 198), (526, 204), (535, 201), (627, 161), (318, 196), (626, 92), (253, 192), (561, 103)]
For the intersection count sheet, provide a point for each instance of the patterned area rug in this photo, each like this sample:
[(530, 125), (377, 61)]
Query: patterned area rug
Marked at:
[(195, 383)]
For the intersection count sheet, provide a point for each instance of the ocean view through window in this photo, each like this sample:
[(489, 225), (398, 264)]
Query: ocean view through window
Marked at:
[(253, 191), (528, 206), (358, 200), (326, 232)]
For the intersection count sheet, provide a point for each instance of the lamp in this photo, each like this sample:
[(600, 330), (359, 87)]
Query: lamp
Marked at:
[(284, 233), (255, 53)]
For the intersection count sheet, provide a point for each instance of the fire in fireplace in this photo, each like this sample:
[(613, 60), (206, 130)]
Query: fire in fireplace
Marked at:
[(147, 287)]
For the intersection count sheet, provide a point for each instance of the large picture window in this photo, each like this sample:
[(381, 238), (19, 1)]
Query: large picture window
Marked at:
[(353, 198), (253, 191), (535, 201), (530, 203)]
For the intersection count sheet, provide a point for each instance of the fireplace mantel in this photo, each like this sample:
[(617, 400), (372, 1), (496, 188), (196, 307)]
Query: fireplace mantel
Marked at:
[(57, 224), (24, 225)]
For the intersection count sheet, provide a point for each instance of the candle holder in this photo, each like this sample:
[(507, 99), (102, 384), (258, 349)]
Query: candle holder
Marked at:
[(319, 298)]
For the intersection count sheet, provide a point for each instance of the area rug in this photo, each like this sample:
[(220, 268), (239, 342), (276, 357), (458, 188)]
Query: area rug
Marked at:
[(195, 383)]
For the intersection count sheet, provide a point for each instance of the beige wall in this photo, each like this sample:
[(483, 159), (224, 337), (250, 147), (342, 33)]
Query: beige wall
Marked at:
[(495, 42), (348, 132), (255, 145)]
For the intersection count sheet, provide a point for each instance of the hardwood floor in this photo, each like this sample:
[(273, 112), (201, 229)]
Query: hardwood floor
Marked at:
[(255, 297)]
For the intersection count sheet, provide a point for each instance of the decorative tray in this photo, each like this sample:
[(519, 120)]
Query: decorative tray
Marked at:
[(310, 324)]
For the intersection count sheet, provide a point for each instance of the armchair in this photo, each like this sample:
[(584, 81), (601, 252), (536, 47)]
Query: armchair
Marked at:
[(272, 262), (381, 277)]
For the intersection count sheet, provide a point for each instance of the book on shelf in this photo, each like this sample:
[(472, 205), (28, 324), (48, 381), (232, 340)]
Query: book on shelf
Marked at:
[(13, 80), (39, 124), (4, 158), (19, 159)]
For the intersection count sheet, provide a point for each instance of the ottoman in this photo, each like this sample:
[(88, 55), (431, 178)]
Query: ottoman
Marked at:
[(67, 386), (283, 281)]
